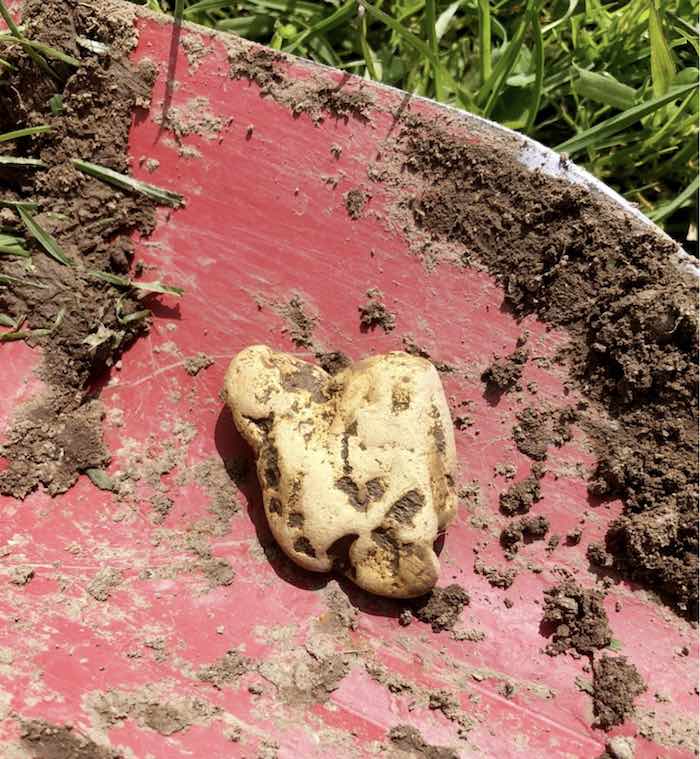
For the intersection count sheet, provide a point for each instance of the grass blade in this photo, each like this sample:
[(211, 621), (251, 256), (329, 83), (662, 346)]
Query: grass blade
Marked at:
[(539, 69), (665, 210), (47, 242), (124, 182), (24, 132), (153, 287), (605, 129), (443, 21), (662, 67), (430, 21), (6, 203), (604, 89), (485, 68), (16, 162), (335, 19), (367, 53), (417, 44), (489, 93), (6, 279), (32, 47)]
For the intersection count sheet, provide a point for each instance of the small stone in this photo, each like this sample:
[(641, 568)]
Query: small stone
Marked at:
[(21, 575), (220, 630), (621, 747)]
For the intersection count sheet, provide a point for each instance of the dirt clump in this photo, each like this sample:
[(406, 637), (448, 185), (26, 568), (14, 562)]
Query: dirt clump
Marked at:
[(408, 739), (568, 255), (616, 683), (375, 314), (333, 361), (45, 741), (537, 429), (300, 323), (577, 619), (497, 578), (504, 373), (341, 614), (82, 322), (228, 669), (442, 607), (195, 364), (523, 530), (104, 582), (355, 202), (520, 496)]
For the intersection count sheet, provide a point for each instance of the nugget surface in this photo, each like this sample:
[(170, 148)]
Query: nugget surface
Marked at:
[(357, 470)]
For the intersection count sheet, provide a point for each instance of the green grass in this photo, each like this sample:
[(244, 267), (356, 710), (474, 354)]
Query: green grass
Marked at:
[(610, 83)]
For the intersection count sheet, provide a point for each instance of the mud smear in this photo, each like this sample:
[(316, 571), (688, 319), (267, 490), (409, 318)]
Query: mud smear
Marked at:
[(45, 741), (83, 324), (409, 740)]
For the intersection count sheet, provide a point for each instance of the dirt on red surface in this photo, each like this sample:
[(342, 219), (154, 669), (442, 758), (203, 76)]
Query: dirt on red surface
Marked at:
[(86, 323), (616, 683), (570, 257)]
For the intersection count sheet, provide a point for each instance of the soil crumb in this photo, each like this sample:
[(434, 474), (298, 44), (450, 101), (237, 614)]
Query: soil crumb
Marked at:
[(333, 361), (505, 373), (195, 364), (525, 530), (497, 578), (300, 323), (409, 739), (568, 255), (228, 669), (375, 314), (442, 607), (537, 429), (104, 583), (520, 496), (577, 619), (341, 615), (45, 741), (355, 202), (616, 683)]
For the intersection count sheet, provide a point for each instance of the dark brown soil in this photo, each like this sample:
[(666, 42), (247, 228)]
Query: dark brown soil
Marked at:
[(538, 429), (616, 683), (375, 314), (505, 373), (576, 618), (355, 202), (410, 740), (525, 530), (45, 741), (567, 255), (520, 496), (497, 578), (442, 607), (58, 435)]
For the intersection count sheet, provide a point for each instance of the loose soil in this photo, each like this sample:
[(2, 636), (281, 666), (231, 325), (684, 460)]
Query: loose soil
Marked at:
[(616, 683), (374, 313), (442, 607), (505, 373), (570, 257), (57, 435), (520, 496), (410, 740), (576, 618), (45, 741)]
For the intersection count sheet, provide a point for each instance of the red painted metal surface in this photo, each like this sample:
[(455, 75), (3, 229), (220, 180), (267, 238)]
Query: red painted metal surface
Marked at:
[(260, 226)]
